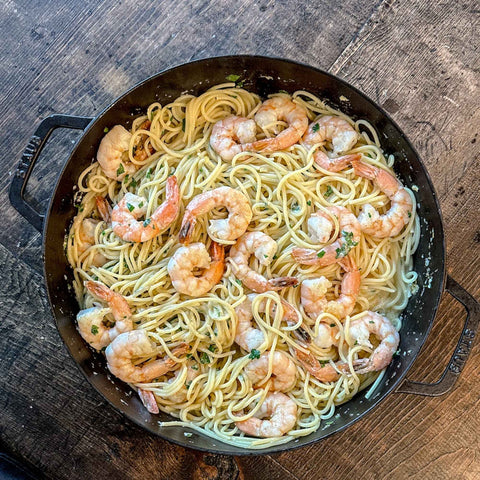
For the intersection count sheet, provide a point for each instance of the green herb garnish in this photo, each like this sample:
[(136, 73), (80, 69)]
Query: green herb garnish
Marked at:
[(149, 173), (332, 325), (194, 367), (238, 281), (133, 183), (130, 207), (254, 354), (120, 170), (204, 358), (105, 130), (321, 253), (328, 191), (309, 202), (147, 222), (94, 329), (347, 245), (140, 205), (233, 78), (409, 214), (212, 348), (316, 127)]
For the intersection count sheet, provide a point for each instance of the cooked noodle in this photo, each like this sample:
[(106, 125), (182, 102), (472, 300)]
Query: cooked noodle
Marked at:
[(284, 189)]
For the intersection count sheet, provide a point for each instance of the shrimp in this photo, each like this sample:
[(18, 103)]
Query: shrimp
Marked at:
[(86, 234), (283, 370), (334, 164), (140, 153), (276, 109), (375, 324), (185, 260), (313, 293), (249, 337), (282, 411), (392, 222), (148, 399), (227, 229), (136, 343), (180, 396), (90, 321), (112, 154), (131, 207), (335, 130), (264, 248), (230, 134), (349, 236)]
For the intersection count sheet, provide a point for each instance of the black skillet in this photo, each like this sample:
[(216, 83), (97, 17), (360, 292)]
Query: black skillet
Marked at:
[(261, 75)]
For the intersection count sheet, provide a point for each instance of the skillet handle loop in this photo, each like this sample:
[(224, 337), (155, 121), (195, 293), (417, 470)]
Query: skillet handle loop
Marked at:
[(462, 350), (30, 156)]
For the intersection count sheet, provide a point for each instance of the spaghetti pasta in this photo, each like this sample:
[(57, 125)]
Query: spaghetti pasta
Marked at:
[(284, 188)]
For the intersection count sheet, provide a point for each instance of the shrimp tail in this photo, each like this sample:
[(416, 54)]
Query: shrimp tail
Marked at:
[(167, 212), (364, 170), (282, 282), (335, 164), (148, 399), (99, 290), (104, 208), (186, 230)]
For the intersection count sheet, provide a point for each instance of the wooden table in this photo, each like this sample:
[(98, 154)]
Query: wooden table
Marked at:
[(415, 58)]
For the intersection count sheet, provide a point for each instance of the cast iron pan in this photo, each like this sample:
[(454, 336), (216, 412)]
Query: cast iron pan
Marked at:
[(262, 75)]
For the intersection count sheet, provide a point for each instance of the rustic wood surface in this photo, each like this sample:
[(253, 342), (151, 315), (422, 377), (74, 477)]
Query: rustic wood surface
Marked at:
[(417, 58)]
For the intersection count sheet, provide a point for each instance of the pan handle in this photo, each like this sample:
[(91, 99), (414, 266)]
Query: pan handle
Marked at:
[(462, 350), (30, 156)]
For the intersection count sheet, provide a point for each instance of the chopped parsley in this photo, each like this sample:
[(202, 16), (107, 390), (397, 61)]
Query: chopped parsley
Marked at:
[(328, 191), (275, 257), (266, 256), (212, 348), (356, 342), (204, 358), (371, 321), (189, 355), (103, 349), (194, 367), (120, 170), (149, 173), (233, 78), (140, 205), (347, 245), (105, 130), (94, 329), (147, 222), (79, 207), (369, 215), (309, 202), (254, 354), (133, 183), (321, 253), (295, 207), (153, 112), (130, 207), (238, 281), (316, 127), (409, 214), (187, 384), (332, 325)]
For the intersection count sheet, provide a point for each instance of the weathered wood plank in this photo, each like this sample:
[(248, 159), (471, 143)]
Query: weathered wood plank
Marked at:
[(77, 57)]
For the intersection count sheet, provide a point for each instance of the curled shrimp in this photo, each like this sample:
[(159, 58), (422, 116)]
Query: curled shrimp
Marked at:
[(335, 164), (91, 320), (249, 337), (131, 207), (264, 249), (323, 370), (227, 229), (112, 154), (86, 235), (335, 130), (136, 343), (148, 399), (349, 236), (374, 324), (277, 109), (392, 222), (313, 293), (284, 370), (230, 134), (182, 265), (282, 411)]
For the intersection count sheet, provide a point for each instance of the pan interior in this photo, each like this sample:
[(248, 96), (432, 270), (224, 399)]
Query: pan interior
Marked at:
[(263, 76)]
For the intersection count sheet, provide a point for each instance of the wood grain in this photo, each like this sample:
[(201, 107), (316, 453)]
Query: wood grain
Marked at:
[(416, 58)]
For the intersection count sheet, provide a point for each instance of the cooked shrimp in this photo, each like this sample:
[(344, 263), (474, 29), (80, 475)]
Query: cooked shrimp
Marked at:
[(334, 164), (230, 134), (112, 154), (230, 228), (182, 265), (320, 227), (323, 370), (180, 395), (335, 130), (91, 320), (86, 234), (282, 411), (148, 399), (392, 222), (131, 207), (104, 208), (313, 293), (283, 370), (136, 343), (249, 337), (375, 324), (264, 248), (277, 109), (349, 236)]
